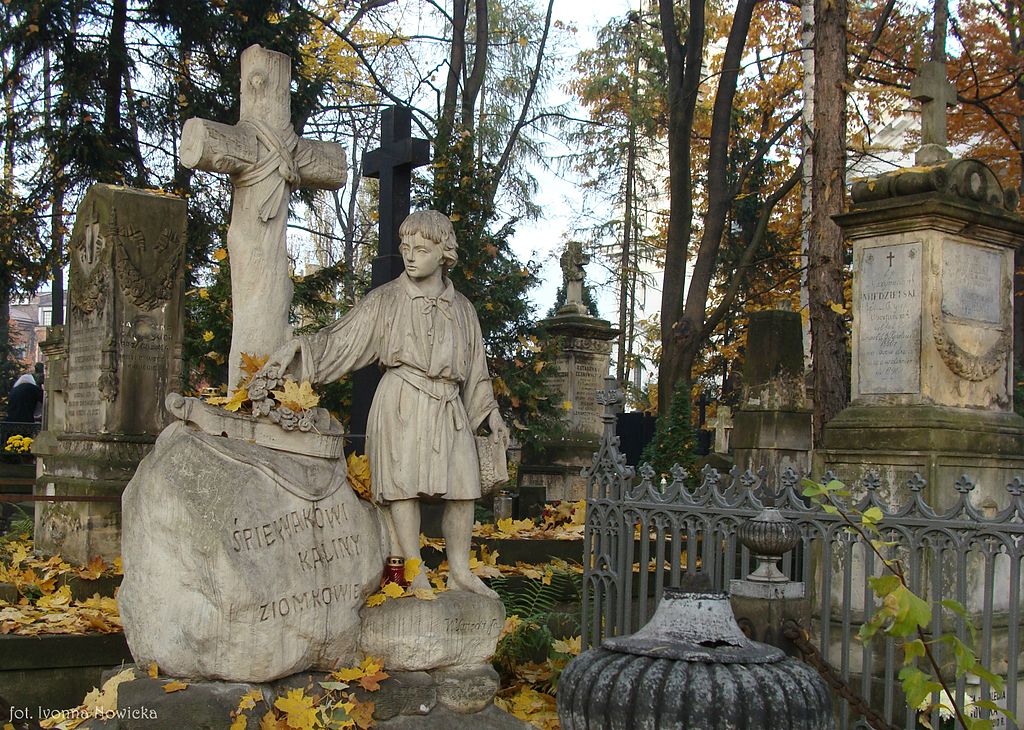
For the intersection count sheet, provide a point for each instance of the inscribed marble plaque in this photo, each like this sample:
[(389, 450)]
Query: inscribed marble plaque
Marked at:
[(972, 283), (889, 319)]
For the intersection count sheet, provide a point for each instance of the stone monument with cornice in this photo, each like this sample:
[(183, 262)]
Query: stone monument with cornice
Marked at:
[(110, 366), (583, 361), (932, 370)]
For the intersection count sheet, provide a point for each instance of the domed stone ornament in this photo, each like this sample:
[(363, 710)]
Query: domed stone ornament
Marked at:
[(691, 667)]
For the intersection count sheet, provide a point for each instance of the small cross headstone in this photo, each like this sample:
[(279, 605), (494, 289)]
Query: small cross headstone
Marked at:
[(723, 429), (393, 162), (265, 160), (936, 93)]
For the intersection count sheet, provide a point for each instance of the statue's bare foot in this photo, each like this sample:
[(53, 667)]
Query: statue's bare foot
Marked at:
[(469, 582), (421, 582)]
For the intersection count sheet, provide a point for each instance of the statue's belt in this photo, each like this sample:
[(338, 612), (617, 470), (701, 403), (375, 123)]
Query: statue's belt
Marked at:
[(444, 391)]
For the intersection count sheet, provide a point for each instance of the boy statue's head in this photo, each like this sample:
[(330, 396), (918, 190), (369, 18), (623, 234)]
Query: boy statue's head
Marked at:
[(434, 226)]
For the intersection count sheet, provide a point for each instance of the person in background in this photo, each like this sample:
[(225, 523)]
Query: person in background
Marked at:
[(21, 406)]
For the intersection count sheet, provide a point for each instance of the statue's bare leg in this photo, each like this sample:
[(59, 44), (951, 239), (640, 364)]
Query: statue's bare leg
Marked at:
[(405, 515), (458, 532)]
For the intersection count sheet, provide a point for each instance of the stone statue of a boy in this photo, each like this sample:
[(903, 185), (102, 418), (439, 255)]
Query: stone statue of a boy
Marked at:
[(434, 395)]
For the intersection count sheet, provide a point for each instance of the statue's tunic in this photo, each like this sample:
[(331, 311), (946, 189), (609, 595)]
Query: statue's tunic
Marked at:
[(433, 396)]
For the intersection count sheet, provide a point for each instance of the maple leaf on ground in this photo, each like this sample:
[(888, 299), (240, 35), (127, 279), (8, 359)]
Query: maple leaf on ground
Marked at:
[(362, 713), (269, 721), (175, 686), (299, 709), (241, 722), (376, 599), (393, 590), (93, 570), (347, 674), (249, 700), (297, 397), (371, 682)]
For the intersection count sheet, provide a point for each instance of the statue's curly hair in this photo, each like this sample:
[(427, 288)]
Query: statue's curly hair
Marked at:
[(436, 226)]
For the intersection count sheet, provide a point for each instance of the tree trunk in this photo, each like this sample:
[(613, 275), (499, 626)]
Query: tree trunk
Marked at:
[(684, 70), (117, 65), (831, 370)]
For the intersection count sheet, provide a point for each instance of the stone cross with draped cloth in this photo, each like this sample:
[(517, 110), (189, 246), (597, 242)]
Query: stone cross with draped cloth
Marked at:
[(265, 160)]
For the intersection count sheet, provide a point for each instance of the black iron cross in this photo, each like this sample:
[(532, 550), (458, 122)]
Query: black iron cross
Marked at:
[(890, 257), (393, 162)]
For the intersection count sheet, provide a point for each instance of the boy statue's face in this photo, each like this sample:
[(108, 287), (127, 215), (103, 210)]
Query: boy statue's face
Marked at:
[(422, 256)]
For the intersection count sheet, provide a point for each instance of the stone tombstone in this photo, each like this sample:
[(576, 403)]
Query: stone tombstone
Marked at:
[(932, 373), (117, 357), (582, 365), (772, 427)]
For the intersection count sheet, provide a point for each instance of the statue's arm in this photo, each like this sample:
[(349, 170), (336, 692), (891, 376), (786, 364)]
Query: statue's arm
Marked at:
[(349, 344)]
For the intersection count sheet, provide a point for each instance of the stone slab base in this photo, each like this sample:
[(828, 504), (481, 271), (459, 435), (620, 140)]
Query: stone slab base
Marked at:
[(404, 700), (55, 671), (939, 443)]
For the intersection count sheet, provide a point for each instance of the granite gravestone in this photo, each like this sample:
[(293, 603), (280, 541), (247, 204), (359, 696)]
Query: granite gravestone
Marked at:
[(119, 355), (582, 364), (773, 424)]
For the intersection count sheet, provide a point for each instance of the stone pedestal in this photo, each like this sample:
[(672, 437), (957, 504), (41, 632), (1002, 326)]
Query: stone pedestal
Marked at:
[(582, 366), (109, 369), (933, 334), (243, 562), (772, 428)]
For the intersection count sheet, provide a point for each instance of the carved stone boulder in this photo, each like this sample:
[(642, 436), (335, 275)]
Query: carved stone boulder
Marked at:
[(244, 563)]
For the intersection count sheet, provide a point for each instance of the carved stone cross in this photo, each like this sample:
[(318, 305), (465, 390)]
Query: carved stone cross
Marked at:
[(723, 429), (265, 160), (936, 93)]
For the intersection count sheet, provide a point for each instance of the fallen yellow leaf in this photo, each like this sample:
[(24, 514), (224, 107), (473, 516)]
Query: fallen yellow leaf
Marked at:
[(175, 685), (153, 670)]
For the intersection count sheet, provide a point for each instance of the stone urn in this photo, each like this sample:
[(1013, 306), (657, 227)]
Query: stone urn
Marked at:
[(691, 667)]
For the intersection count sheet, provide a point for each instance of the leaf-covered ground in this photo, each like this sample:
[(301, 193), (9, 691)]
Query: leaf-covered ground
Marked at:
[(44, 603), (529, 658)]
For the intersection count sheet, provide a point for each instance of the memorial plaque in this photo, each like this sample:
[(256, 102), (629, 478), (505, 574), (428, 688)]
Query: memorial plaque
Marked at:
[(971, 283), (889, 319), (582, 366)]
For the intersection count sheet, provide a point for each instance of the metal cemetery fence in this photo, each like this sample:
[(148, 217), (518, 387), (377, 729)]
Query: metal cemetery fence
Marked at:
[(643, 535)]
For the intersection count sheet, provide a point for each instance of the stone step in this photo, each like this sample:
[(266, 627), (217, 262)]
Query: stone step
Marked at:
[(55, 671)]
